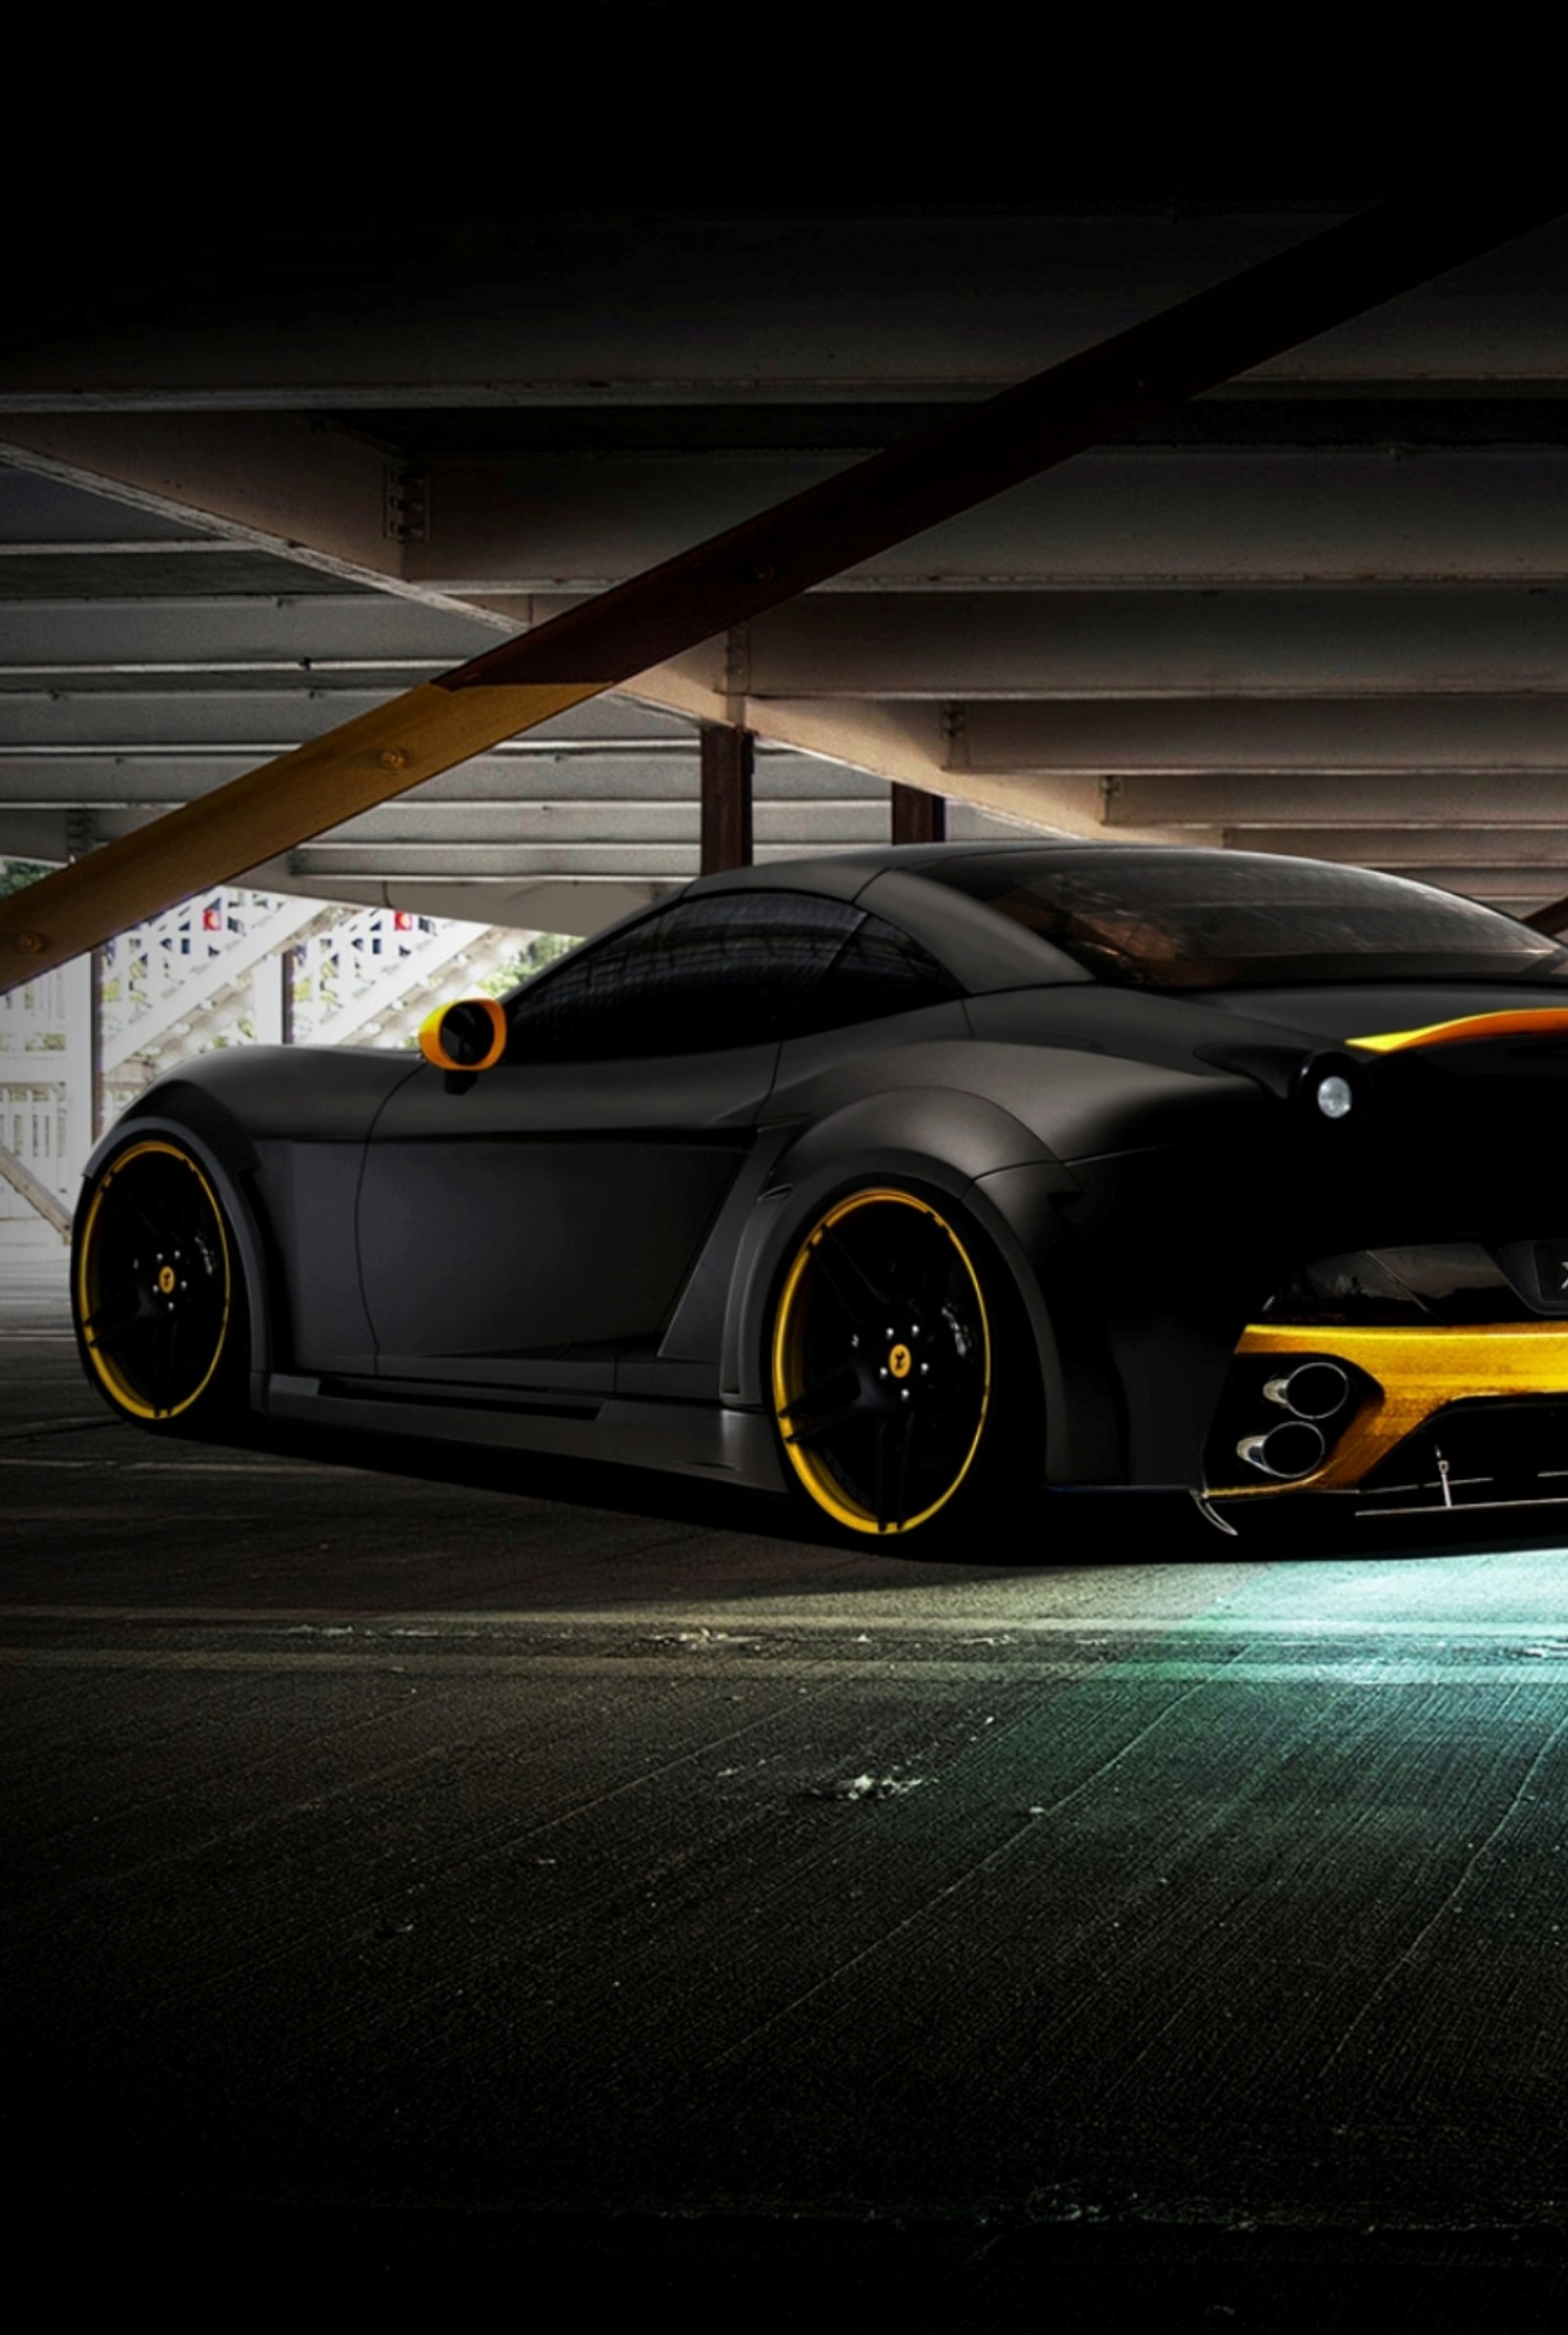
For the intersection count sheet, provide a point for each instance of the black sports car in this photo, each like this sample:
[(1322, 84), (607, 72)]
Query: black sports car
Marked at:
[(896, 1178)]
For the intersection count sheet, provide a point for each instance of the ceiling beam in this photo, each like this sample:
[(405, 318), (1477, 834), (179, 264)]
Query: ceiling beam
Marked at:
[(267, 479), (154, 779), (66, 642), (732, 579), (1268, 642), (1139, 516), (1411, 850), (1262, 736), (550, 903), (1445, 801), (509, 782), (1066, 646), (575, 308)]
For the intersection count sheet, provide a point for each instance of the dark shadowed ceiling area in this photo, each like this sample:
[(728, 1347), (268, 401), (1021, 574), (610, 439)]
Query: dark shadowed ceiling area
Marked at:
[(258, 476)]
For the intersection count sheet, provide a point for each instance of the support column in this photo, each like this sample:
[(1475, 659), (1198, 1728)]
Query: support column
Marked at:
[(918, 817), (272, 998), (727, 756), (81, 1062), (82, 988)]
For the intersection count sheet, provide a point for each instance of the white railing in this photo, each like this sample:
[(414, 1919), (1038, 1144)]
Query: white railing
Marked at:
[(168, 987), (227, 968), (373, 977), (45, 1100)]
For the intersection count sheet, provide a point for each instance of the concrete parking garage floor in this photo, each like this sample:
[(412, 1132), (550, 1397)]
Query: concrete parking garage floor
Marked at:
[(549, 1883)]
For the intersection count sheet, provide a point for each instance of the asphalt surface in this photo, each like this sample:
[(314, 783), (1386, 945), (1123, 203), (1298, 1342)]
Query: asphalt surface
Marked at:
[(571, 1881)]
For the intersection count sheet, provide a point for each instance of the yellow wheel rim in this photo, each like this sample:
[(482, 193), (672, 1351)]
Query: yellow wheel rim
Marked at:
[(881, 1362), (153, 1282)]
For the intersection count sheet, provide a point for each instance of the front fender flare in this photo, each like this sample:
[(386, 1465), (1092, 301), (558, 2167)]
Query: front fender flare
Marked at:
[(224, 1164)]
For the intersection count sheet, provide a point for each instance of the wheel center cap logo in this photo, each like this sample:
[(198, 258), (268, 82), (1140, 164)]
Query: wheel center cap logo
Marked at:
[(900, 1361), (165, 1278)]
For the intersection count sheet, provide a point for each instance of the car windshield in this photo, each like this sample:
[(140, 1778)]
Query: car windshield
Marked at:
[(1166, 918)]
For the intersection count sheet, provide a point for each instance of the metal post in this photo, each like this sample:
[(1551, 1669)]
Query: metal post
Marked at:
[(727, 756), (918, 817), (80, 1063), (270, 982), (95, 1037)]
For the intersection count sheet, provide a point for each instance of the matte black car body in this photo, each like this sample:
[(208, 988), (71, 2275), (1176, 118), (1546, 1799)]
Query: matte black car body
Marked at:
[(1118, 1211)]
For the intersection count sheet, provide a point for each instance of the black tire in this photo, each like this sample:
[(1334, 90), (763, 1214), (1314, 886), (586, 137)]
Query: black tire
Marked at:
[(156, 1292), (899, 1379)]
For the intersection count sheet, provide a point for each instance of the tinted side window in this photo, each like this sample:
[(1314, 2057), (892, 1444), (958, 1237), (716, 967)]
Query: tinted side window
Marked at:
[(877, 971), (706, 974), (735, 970)]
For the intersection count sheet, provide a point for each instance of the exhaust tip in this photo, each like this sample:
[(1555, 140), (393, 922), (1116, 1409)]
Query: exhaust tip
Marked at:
[(1314, 1390), (1286, 1452)]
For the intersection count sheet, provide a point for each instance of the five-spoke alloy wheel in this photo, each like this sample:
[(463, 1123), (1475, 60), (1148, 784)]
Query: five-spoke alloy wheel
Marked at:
[(154, 1285), (882, 1361)]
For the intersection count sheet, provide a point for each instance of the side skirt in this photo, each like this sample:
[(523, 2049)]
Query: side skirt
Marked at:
[(685, 1438)]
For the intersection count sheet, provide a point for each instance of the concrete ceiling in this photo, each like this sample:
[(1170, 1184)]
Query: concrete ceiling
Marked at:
[(1323, 610)]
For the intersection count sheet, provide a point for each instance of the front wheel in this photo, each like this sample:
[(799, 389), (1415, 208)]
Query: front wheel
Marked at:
[(886, 1353), (156, 1290)]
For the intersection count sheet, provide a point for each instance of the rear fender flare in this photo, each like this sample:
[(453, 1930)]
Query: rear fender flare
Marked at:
[(829, 1162)]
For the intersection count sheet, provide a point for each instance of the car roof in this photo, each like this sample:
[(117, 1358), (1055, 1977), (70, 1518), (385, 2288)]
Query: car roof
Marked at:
[(985, 951), (843, 874)]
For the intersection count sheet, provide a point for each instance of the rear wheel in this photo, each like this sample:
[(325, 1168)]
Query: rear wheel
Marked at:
[(155, 1288), (884, 1364)]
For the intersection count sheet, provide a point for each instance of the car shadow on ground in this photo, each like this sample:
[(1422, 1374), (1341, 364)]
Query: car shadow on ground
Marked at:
[(1112, 1529)]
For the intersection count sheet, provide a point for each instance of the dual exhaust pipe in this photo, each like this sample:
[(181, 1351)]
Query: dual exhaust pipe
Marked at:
[(1311, 1393)]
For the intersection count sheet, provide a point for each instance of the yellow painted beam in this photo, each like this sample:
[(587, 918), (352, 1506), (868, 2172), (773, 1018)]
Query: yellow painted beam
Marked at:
[(317, 785)]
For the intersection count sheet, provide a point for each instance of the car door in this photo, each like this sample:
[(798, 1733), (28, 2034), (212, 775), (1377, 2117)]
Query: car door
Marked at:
[(524, 1226)]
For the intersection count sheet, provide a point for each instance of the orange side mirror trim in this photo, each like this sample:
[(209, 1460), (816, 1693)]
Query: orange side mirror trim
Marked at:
[(435, 1052)]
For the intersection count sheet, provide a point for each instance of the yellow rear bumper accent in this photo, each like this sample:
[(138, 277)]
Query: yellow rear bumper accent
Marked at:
[(1416, 1373)]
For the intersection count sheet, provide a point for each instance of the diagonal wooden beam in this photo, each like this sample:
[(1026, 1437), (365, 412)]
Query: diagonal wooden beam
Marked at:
[(738, 574)]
